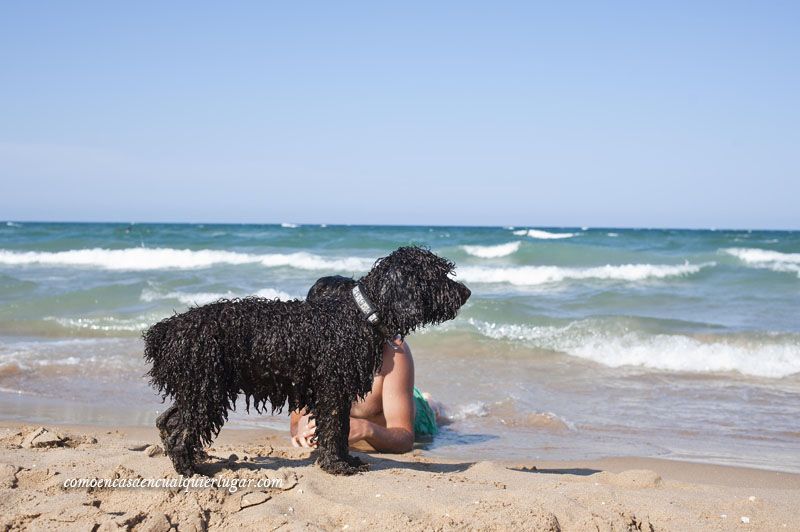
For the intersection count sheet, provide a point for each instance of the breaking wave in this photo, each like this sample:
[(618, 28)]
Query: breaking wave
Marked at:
[(544, 235), (138, 259), (539, 275), (761, 356), (491, 252), (68, 357), (105, 324), (767, 259), (201, 298)]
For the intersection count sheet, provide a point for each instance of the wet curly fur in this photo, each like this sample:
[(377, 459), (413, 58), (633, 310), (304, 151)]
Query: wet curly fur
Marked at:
[(320, 354)]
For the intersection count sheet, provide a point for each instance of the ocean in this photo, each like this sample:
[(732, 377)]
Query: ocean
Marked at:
[(576, 342)]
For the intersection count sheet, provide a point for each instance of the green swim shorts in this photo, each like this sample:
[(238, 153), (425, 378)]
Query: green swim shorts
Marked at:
[(425, 419)]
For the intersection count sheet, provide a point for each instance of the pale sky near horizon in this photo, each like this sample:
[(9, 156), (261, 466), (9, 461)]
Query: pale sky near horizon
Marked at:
[(683, 114)]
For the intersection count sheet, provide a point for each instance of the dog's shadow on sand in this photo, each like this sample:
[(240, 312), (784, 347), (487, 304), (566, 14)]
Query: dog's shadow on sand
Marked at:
[(382, 463), (579, 471), (376, 463), (218, 465), (215, 465)]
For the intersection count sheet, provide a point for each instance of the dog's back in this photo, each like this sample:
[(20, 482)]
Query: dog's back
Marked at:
[(205, 356), (265, 349)]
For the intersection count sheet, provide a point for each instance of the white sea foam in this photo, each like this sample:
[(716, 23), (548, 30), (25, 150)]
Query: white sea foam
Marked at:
[(288, 225), (98, 353), (539, 275), (756, 255), (461, 412), (105, 324), (767, 259), (308, 261), (613, 234), (13, 224), (490, 252), (202, 298), (273, 293), (509, 331), (67, 361), (135, 259), (198, 298), (763, 357), (543, 235)]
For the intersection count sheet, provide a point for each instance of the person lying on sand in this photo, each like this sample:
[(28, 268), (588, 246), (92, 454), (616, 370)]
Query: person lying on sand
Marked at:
[(394, 413)]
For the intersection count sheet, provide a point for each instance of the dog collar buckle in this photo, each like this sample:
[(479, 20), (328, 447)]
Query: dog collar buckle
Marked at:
[(364, 305)]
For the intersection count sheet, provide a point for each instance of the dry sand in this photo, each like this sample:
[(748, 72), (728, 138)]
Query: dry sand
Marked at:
[(415, 491)]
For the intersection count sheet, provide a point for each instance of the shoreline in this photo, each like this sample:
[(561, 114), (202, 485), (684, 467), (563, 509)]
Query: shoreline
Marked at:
[(416, 490), (266, 429)]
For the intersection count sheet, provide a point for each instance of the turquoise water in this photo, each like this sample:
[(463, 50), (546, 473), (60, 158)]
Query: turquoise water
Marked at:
[(576, 341)]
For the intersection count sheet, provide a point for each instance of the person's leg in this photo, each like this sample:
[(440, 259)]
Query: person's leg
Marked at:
[(425, 418), (439, 410)]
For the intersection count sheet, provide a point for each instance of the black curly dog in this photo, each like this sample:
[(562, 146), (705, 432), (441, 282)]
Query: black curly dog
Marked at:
[(320, 355)]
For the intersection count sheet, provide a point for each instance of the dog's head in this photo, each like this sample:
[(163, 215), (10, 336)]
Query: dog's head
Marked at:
[(412, 287)]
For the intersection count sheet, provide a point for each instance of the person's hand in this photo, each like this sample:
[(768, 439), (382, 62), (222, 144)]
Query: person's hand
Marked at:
[(359, 430), (306, 435)]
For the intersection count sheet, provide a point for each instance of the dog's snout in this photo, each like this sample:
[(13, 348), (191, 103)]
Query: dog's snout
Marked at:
[(464, 292)]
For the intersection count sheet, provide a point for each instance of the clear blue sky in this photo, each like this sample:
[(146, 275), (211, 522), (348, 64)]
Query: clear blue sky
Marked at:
[(682, 114)]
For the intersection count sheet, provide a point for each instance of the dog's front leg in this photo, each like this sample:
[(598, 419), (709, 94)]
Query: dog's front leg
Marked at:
[(333, 429)]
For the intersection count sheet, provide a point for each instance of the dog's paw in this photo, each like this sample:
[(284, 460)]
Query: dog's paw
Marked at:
[(342, 467)]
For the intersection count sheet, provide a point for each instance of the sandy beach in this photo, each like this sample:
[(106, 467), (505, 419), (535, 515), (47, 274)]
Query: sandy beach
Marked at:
[(414, 491)]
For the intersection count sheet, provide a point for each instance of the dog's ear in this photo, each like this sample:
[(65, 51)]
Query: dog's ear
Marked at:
[(398, 300), (401, 295)]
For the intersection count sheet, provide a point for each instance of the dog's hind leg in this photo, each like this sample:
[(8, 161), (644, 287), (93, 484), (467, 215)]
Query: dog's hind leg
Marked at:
[(180, 441), (333, 429)]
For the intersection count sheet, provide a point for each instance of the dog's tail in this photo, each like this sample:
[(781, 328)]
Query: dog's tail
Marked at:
[(188, 363), (159, 351)]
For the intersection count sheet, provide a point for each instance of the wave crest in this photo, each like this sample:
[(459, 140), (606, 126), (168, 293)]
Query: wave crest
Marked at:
[(772, 357), (105, 324), (542, 235), (491, 252), (140, 259), (539, 275), (202, 298), (767, 259)]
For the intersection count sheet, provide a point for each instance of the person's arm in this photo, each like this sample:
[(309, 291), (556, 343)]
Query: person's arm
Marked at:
[(398, 408)]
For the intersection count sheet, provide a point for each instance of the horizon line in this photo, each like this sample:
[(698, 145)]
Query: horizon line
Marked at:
[(477, 226)]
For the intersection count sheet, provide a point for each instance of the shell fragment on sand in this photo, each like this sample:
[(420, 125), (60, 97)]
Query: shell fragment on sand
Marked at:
[(41, 437), (153, 450)]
